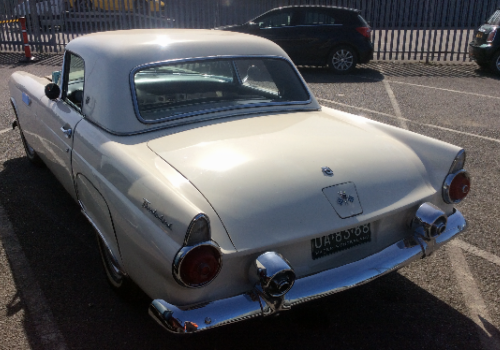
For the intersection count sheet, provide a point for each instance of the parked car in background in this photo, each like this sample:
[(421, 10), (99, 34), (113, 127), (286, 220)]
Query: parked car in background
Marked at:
[(217, 183), (48, 12), (485, 48), (315, 35), (117, 5)]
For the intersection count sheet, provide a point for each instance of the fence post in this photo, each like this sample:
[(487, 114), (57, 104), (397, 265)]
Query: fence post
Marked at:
[(27, 50)]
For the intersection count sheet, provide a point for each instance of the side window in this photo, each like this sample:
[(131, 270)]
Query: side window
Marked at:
[(74, 80), (274, 20), (318, 18)]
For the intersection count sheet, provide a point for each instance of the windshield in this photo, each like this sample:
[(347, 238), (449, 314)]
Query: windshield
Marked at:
[(178, 90), (495, 19)]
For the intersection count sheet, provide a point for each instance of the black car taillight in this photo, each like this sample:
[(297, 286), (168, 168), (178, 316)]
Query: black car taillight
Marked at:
[(365, 31), (491, 36)]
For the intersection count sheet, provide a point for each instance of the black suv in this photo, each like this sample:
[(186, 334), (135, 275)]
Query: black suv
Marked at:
[(315, 35), (485, 49)]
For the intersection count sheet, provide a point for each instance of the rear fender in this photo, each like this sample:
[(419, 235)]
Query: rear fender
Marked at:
[(96, 210)]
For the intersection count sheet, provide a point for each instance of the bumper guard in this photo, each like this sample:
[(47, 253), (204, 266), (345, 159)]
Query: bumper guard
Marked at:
[(255, 303)]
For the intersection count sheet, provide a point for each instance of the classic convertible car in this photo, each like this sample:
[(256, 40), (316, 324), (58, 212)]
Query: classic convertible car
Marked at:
[(219, 186)]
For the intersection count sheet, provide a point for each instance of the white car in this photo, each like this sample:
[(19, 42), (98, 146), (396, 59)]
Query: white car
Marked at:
[(219, 186)]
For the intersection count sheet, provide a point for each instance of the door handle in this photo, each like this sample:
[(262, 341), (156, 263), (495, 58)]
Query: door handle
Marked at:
[(67, 131)]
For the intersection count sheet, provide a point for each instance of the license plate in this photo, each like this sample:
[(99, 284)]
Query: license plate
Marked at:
[(342, 240), (479, 35)]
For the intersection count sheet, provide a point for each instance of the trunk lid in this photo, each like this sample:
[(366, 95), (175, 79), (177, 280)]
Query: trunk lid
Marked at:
[(263, 175)]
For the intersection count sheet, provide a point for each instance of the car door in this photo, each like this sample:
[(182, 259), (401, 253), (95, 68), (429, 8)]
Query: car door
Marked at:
[(319, 31), (58, 120), (279, 26)]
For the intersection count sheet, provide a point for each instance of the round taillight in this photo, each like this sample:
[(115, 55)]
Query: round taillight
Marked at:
[(198, 265), (456, 187)]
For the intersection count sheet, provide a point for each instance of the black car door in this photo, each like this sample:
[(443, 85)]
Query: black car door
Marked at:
[(318, 31)]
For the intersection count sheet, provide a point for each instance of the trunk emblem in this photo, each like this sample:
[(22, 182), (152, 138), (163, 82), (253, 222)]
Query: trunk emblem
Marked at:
[(344, 198), (327, 171)]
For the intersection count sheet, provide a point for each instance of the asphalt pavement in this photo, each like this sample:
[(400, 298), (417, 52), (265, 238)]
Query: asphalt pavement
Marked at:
[(53, 292)]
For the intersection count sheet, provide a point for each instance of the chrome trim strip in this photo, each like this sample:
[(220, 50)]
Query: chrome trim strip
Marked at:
[(187, 238), (206, 111), (115, 260), (458, 162), (225, 311)]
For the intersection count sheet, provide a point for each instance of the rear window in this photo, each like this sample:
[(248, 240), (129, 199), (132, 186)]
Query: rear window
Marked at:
[(495, 19), (178, 90), (362, 21)]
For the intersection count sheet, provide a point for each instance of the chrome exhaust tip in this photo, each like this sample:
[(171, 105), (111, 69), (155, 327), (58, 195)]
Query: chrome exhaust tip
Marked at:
[(275, 275), (432, 220)]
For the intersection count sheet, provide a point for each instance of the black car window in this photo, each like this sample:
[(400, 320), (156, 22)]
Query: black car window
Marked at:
[(317, 18), (495, 19), (274, 20)]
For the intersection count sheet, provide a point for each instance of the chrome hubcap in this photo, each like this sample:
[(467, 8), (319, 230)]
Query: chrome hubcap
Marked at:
[(498, 63), (342, 60)]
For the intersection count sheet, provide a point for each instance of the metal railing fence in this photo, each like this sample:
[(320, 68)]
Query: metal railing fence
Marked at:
[(402, 29)]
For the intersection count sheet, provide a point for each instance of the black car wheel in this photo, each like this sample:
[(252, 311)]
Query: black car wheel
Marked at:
[(495, 63), (342, 60), (120, 282)]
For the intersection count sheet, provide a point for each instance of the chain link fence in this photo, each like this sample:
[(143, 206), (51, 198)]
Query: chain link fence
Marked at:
[(402, 29)]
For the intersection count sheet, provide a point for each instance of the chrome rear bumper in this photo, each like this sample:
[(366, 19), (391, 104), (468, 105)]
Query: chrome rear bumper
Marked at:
[(254, 303)]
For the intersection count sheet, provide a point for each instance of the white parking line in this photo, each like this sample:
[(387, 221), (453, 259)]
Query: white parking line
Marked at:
[(38, 311), (469, 248), (478, 312), (395, 105), (410, 121), (448, 90), (428, 87), (5, 130)]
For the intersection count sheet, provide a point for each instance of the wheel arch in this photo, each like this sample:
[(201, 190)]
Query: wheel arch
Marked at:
[(13, 103), (96, 210)]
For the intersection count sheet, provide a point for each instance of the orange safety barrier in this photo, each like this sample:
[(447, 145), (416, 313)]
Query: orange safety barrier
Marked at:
[(27, 49)]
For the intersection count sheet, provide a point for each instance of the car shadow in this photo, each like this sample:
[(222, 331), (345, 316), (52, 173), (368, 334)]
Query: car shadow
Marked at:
[(321, 75), (389, 313)]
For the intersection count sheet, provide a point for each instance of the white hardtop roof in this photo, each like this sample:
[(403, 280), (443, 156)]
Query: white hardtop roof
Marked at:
[(131, 48), (110, 57)]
